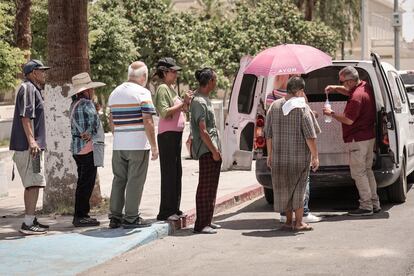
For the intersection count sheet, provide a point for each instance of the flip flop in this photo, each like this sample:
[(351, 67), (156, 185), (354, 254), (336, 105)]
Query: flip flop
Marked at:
[(306, 227)]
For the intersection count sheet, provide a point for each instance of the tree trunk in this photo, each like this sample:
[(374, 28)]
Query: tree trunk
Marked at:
[(22, 25), (22, 29), (310, 7), (67, 36)]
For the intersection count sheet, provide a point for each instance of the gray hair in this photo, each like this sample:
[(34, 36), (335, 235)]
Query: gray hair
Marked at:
[(295, 84), (137, 72), (349, 73)]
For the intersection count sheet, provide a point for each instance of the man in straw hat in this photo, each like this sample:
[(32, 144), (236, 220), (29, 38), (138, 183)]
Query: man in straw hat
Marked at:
[(133, 128), (85, 124), (28, 140)]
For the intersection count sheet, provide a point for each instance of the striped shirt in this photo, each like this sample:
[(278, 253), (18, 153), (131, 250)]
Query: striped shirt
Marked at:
[(128, 102), (275, 95)]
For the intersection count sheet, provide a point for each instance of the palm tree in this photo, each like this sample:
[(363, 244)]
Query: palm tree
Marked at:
[(68, 55), (22, 26), (211, 8)]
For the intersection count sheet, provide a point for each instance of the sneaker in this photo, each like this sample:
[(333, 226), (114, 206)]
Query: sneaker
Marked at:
[(85, 222), (215, 226), (206, 230), (32, 230), (114, 223), (376, 210), (35, 222), (173, 217), (310, 218), (360, 212), (138, 223)]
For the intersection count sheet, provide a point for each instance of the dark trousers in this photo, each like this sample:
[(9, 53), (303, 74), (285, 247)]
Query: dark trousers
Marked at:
[(209, 174), (85, 184), (169, 147)]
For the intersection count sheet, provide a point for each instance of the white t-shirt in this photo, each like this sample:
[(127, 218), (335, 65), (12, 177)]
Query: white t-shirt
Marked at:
[(127, 103)]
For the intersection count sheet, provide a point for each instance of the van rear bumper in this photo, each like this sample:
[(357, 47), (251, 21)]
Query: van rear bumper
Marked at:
[(333, 176)]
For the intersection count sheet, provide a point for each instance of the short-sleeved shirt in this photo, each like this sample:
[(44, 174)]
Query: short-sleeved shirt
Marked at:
[(84, 113), (164, 99), (128, 102), (275, 95), (201, 109), (360, 109), (29, 104)]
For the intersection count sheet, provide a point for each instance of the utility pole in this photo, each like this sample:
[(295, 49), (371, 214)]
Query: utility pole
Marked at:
[(397, 25)]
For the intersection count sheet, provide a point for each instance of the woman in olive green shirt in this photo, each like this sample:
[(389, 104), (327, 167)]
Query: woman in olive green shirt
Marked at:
[(205, 148), (170, 106)]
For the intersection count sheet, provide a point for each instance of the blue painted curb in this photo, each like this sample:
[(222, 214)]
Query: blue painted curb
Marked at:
[(72, 253)]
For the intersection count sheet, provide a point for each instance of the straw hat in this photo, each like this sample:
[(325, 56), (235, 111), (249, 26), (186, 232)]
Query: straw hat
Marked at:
[(82, 82)]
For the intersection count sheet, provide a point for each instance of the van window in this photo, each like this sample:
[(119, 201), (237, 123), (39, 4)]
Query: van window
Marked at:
[(401, 89), (246, 95), (396, 94), (317, 80)]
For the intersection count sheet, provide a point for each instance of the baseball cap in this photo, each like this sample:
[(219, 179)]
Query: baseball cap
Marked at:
[(33, 64), (168, 63)]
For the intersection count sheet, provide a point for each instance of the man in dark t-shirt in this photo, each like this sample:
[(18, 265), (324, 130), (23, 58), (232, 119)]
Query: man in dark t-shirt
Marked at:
[(28, 140), (358, 121)]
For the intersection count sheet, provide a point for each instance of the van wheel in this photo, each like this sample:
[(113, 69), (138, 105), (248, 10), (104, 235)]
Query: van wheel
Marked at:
[(268, 195), (397, 192)]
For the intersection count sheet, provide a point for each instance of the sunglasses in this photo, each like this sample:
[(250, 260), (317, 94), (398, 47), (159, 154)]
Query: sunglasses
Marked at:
[(343, 81)]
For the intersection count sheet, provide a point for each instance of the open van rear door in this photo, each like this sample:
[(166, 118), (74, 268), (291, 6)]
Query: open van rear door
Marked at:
[(391, 123), (237, 144)]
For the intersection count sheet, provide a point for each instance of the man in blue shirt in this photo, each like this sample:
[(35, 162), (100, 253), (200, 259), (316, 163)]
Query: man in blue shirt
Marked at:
[(28, 140)]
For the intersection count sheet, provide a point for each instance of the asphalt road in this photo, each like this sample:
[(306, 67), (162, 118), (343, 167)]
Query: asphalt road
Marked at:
[(251, 243)]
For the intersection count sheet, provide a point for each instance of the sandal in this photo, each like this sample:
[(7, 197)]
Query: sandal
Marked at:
[(286, 227), (305, 227)]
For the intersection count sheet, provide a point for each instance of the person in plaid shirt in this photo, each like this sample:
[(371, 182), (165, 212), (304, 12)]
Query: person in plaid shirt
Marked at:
[(85, 123)]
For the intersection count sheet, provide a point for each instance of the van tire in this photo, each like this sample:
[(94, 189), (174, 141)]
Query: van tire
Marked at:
[(397, 192), (269, 195)]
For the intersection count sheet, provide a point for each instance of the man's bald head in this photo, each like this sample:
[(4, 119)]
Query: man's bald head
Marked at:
[(138, 72)]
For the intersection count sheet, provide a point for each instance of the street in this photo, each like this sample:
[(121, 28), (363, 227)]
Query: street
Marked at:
[(251, 243)]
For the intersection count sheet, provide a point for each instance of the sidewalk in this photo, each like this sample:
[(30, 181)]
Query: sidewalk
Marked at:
[(66, 250)]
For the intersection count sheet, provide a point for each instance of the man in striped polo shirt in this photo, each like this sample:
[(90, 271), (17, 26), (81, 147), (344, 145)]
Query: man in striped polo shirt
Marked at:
[(134, 137)]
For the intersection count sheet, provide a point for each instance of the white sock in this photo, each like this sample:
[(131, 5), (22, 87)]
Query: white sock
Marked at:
[(28, 220)]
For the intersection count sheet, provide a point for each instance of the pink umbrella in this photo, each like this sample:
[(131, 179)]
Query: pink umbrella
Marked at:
[(288, 59)]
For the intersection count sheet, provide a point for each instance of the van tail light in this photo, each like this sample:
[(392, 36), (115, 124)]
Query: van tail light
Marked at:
[(385, 142), (259, 139)]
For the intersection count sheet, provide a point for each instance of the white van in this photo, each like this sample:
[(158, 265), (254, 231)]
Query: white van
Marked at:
[(243, 138)]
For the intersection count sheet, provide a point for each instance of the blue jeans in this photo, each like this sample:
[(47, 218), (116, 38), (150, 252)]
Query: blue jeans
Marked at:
[(305, 200)]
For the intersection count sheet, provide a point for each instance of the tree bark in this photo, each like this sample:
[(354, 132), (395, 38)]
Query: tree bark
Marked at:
[(68, 55), (309, 9), (22, 25)]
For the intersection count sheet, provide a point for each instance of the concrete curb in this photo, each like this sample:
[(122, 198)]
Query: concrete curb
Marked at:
[(223, 203)]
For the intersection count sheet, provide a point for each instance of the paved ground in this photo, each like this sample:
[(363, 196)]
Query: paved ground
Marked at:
[(251, 243), (66, 250), (12, 206)]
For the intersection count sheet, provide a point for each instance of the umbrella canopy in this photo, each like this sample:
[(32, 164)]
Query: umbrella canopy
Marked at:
[(288, 59)]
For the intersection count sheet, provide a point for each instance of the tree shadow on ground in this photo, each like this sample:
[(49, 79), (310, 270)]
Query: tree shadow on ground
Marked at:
[(111, 233)]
